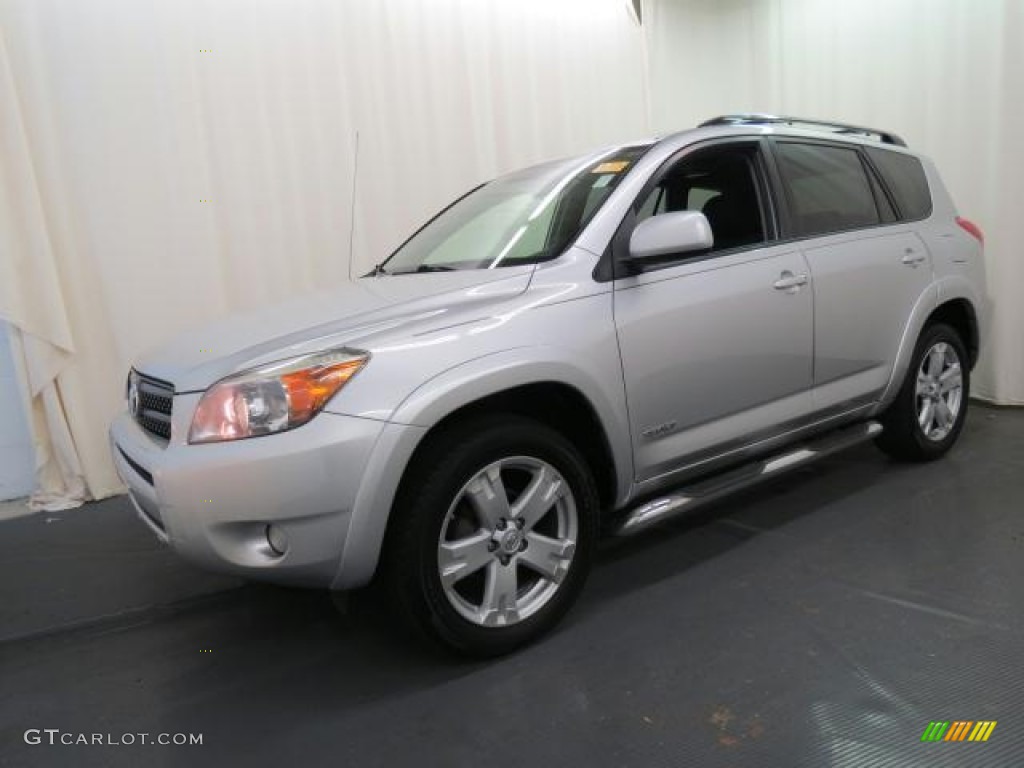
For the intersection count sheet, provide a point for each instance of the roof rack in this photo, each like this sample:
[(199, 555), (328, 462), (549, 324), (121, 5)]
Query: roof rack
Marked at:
[(760, 119)]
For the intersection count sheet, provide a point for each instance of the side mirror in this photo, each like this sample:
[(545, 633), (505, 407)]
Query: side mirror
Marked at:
[(676, 232)]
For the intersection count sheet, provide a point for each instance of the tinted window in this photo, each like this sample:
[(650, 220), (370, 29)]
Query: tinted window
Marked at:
[(722, 184), (828, 188), (905, 178)]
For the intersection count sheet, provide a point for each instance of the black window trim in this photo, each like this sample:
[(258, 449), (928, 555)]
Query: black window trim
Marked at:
[(610, 266), (880, 193)]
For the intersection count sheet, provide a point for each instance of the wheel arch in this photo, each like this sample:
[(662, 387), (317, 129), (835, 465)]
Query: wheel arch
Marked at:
[(556, 404), (529, 382), (534, 381), (959, 313), (938, 304)]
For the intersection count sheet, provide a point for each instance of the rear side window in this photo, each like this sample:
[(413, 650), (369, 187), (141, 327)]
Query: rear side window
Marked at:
[(827, 187), (904, 176)]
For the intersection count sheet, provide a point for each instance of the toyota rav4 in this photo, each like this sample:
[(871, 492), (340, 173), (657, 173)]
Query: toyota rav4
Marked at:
[(587, 346)]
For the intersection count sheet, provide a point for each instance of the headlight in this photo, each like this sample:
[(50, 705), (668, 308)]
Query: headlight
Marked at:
[(273, 397)]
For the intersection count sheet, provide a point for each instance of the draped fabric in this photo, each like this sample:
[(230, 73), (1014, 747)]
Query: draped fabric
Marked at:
[(947, 75), (164, 162)]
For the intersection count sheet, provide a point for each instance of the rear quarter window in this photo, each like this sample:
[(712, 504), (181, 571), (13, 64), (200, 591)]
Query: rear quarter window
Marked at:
[(905, 178), (827, 187)]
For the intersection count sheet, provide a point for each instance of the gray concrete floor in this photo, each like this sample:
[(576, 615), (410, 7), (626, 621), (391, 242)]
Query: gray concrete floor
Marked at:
[(822, 620)]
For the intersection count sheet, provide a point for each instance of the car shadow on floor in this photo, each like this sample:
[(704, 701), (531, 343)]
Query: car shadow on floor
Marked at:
[(361, 621)]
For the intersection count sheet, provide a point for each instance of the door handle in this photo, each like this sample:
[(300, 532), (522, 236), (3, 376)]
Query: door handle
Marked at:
[(789, 282), (912, 257)]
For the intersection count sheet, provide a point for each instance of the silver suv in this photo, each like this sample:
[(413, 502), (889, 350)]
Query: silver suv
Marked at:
[(590, 345)]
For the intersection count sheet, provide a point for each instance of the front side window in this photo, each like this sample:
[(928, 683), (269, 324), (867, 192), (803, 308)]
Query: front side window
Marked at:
[(827, 187), (521, 218), (720, 182)]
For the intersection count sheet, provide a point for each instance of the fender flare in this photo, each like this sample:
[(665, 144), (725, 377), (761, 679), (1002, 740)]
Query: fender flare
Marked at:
[(954, 287), (443, 395), (497, 372), (941, 292)]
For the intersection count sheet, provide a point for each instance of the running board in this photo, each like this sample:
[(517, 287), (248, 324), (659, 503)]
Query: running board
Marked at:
[(688, 498)]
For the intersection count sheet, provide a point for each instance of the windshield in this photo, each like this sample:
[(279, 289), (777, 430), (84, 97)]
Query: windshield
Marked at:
[(522, 218)]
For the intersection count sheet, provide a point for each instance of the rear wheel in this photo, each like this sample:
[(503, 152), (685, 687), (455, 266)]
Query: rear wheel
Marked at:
[(492, 535), (925, 419)]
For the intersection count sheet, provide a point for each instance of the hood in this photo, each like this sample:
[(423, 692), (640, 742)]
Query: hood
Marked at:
[(348, 315)]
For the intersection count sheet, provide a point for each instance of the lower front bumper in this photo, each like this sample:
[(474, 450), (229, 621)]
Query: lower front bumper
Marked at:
[(213, 503)]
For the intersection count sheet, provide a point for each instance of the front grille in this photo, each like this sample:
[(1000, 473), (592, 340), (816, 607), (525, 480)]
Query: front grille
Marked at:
[(152, 406)]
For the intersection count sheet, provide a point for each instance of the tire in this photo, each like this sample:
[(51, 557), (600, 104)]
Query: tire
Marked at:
[(449, 515), (913, 432)]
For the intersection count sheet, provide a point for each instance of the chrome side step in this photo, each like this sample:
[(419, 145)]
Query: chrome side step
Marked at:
[(688, 498)]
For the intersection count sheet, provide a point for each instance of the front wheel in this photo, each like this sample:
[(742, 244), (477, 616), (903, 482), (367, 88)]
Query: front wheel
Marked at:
[(925, 419), (492, 534)]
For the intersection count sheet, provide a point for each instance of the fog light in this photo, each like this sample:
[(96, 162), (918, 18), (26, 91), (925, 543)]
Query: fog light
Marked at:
[(277, 539)]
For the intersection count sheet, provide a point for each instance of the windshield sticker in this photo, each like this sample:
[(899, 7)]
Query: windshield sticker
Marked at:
[(613, 166)]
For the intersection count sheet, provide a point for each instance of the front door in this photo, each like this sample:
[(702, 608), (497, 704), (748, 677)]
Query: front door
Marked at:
[(716, 347)]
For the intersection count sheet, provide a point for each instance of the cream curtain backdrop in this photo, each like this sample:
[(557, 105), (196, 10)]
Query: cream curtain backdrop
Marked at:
[(165, 162), (948, 75)]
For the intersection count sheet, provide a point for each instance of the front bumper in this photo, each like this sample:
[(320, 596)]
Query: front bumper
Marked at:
[(214, 502)]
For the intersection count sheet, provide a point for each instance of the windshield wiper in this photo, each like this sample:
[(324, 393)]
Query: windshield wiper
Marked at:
[(425, 268), (378, 269)]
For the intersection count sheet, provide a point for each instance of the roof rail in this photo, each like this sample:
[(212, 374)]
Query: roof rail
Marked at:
[(760, 119)]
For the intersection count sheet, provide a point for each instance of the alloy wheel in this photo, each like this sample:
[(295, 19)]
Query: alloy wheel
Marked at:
[(507, 541), (939, 391)]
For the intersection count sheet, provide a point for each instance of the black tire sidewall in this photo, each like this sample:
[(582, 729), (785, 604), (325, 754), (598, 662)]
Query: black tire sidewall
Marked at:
[(424, 502)]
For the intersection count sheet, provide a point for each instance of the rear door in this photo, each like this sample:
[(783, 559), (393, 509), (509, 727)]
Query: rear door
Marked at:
[(716, 347), (868, 269)]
